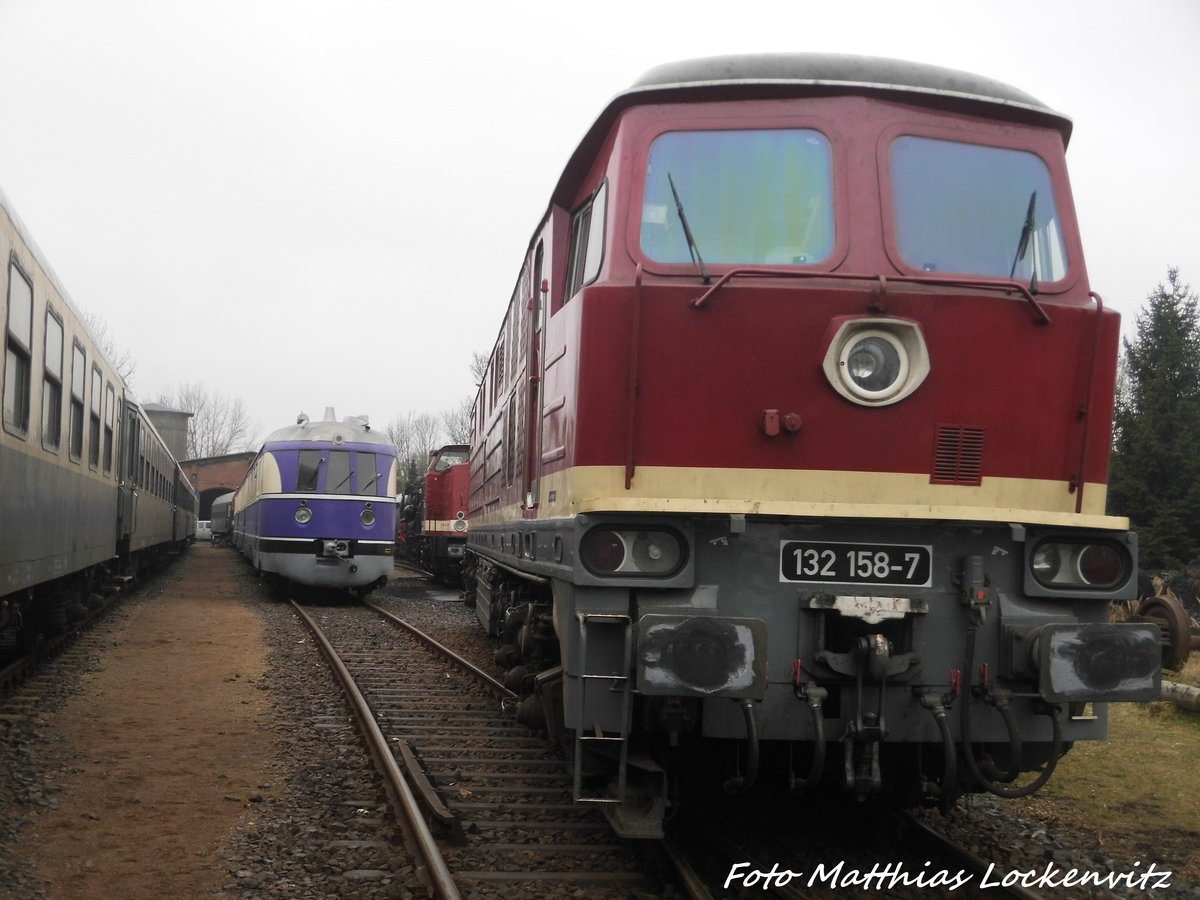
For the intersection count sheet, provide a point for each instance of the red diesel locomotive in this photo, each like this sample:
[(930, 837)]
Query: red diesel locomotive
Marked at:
[(789, 466), (436, 515)]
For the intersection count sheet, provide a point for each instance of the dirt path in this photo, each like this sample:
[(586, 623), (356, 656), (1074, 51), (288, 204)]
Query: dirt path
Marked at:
[(170, 738)]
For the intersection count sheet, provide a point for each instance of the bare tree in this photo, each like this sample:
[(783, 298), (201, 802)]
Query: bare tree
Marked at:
[(218, 426), (456, 421), (479, 364), (415, 435), (121, 359)]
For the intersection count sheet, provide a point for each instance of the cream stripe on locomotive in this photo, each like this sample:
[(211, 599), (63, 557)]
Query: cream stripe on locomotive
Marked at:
[(445, 526), (883, 495)]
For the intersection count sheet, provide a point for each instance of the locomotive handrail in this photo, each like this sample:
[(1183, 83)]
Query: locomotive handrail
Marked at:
[(1041, 317)]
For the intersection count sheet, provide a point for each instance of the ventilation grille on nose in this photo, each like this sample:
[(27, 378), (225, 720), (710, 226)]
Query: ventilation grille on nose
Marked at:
[(959, 455)]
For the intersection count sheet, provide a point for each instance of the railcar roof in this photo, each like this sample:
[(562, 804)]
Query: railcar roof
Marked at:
[(351, 430), (779, 75)]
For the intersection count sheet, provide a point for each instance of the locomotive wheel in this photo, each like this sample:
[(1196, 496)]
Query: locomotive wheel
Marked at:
[(1172, 619)]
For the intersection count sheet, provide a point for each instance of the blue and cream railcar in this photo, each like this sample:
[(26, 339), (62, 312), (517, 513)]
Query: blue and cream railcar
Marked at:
[(69, 516), (222, 517), (318, 505)]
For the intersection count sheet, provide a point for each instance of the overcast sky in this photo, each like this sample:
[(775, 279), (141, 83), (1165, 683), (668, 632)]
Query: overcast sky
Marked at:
[(309, 204)]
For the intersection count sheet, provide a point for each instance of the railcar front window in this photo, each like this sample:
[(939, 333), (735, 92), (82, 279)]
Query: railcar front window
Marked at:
[(974, 210), (309, 467), (762, 197), (337, 476), (368, 478)]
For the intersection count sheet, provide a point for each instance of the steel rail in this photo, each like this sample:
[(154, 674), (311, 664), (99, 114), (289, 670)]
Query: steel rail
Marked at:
[(481, 676), (433, 865)]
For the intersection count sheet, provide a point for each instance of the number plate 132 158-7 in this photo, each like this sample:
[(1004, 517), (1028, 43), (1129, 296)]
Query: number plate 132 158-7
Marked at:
[(892, 564)]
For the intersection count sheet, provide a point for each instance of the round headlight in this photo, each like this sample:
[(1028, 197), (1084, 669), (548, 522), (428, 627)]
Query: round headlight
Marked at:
[(874, 364), (655, 552), (1100, 564), (367, 517), (303, 515), (460, 525), (603, 551), (1046, 563)]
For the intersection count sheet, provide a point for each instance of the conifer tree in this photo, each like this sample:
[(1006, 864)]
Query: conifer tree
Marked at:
[(1155, 473)]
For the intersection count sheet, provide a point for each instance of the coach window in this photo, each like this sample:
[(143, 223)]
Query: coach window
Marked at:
[(110, 399), (973, 209), (762, 196), (94, 424), (52, 383), (587, 241), (18, 352), (78, 381)]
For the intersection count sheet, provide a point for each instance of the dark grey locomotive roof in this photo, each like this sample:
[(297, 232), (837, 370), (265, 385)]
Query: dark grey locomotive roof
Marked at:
[(778, 75), (834, 70)]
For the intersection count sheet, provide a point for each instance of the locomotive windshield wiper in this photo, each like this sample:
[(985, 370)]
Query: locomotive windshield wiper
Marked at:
[(370, 485), (1023, 243), (687, 233)]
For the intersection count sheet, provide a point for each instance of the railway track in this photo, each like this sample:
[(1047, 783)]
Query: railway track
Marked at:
[(489, 809)]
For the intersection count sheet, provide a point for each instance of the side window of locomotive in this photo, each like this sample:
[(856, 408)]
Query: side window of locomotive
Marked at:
[(308, 469), (587, 241), (78, 382), (18, 352), (52, 383), (976, 210), (761, 197)]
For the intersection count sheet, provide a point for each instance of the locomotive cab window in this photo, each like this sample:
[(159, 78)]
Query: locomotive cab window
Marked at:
[(970, 209), (762, 197), (18, 352), (587, 241)]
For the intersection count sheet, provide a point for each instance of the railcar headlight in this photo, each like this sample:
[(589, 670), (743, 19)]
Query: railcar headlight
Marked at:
[(632, 551), (876, 361), (303, 515), (367, 517)]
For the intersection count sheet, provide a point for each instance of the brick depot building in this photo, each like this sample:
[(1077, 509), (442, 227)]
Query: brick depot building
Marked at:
[(216, 475)]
